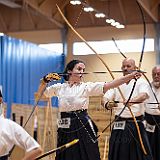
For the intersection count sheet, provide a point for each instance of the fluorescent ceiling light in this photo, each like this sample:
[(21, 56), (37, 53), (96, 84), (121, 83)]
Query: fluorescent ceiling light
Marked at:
[(88, 9), (100, 15), (110, 20), (120, 26), (75, 2)]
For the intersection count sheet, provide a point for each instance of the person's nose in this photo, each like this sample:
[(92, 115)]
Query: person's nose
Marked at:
[(81, 71), (124, 68), (156, 75)]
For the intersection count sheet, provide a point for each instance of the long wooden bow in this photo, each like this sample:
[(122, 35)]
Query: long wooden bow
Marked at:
[(98, 56)]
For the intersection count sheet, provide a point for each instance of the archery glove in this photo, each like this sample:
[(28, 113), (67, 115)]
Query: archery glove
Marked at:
[(51, 76), (110, 104)]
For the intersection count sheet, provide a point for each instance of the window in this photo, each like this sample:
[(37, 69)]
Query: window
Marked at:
[(104, 47), (55, 47)]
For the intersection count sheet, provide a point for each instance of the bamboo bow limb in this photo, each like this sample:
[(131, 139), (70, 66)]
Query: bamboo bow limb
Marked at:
[(81, 37)]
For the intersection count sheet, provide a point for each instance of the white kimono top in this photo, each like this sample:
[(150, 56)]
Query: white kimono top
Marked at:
[(75, 97), (137, 109), (151, 108), (12, 134)]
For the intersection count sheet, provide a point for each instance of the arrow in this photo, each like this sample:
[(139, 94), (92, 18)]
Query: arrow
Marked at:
[(61, 148)]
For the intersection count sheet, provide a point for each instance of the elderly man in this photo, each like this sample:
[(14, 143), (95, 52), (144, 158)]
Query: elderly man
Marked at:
[(124, 141), (152, 115)]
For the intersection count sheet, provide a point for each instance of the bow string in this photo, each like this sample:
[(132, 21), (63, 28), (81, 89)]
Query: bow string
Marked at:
[(81, 37), (134, 85)]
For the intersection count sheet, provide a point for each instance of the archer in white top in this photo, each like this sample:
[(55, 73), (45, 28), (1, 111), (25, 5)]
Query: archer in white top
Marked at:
[(124, 140), (75, 97), (151, 108), (140, 93), (141, 88), (12, 134), (74, 94)]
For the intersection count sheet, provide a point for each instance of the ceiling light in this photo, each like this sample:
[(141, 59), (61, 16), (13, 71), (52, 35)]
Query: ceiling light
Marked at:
[(120, 26), (100, 15), (88, 9), (110, 20), (115, 23), (75, 2)]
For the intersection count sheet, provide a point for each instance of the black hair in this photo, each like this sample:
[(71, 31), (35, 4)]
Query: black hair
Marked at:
[(70, 67), (0, 93)]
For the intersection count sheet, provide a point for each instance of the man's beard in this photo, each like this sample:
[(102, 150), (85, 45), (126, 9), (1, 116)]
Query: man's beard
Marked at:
[(156, 84), (125, 72)]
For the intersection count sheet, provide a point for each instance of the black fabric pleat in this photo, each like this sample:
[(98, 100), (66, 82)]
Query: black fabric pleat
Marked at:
[(125, 145), (4, 158), (154, 138), (85, 149)]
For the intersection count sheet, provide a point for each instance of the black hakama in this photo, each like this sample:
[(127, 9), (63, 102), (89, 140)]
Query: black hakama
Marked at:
[(4, 157), (154, 137), (82, 128), (125, 145)]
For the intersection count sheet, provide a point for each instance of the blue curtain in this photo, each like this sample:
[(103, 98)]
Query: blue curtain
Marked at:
[(23, 64)]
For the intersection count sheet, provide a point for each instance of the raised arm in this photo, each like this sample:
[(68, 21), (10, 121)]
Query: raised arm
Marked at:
[(46, 79), (119, 81)]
